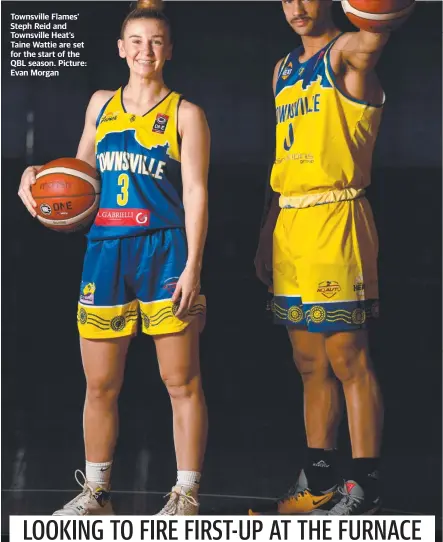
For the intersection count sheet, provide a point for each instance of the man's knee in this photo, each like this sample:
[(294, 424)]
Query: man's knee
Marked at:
[(349, 357), (311, 366), (310, 356)]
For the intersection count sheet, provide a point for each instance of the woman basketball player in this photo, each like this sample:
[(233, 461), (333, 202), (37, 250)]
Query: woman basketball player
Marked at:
[(144, 254)]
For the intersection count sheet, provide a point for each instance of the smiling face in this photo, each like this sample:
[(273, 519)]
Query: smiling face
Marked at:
[(146, 46), (308, 17)]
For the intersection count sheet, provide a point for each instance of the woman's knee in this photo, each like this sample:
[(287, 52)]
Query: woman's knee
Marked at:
[(102, 390), (103, 364)]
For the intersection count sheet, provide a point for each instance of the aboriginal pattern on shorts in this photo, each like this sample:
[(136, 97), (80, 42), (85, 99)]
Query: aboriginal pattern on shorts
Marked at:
[(324, 317), (107, 321), (156, 316)]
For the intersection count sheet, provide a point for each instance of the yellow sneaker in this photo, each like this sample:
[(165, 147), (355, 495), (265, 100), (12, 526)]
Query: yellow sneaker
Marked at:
[(299, 500)]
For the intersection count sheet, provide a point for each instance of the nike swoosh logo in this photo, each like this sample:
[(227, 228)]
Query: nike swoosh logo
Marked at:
[(104, 469), (320, 501)]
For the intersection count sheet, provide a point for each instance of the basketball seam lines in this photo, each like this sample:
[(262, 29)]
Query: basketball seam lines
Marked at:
[(67, 195), (347, 8)]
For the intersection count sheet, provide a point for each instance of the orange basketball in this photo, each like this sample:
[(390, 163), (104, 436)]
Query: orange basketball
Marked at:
[(378, 15), (67, 192)]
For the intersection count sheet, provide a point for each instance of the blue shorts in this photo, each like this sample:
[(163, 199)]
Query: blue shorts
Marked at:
[(125, 277)]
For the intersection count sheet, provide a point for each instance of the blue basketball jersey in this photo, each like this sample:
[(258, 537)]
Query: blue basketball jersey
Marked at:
[(138, 157)]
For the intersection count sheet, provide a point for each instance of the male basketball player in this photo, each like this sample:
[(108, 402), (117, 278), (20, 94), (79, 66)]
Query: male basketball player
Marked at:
[(144, 255), (318, 249)]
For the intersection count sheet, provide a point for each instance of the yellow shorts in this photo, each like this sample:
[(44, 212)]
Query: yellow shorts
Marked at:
[(325, 267)]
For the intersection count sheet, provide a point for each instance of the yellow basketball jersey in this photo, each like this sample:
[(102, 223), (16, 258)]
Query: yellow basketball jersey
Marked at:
[(138, 157), (324, 138)]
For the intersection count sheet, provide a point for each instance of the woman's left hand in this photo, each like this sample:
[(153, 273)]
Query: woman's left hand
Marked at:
[(187, 290)]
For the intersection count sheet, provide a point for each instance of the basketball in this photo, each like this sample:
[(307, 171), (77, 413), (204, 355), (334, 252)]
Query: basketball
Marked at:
[(67, 192), (378, 15)]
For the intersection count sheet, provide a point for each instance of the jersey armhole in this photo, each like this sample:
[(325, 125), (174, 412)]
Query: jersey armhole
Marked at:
[(97, 122), (333, 80), (179, 138)]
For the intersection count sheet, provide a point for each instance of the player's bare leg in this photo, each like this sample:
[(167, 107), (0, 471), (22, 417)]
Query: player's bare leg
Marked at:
[(179, 363), (103, 363), (322, 398), (348, 353), (316, 485)]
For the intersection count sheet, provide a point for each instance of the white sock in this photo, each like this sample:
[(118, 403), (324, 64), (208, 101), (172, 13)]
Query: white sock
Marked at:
[(188, 479), (99, 474)]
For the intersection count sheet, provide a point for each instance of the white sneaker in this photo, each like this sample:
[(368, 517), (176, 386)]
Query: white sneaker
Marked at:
[(181, 503), (90, 502)]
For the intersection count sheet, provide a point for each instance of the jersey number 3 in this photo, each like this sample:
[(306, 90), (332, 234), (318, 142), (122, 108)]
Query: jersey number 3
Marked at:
[(123, 181)]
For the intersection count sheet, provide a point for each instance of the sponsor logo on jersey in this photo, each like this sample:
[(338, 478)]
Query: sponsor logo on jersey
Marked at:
[(160, 123), (170, 284), (359, 287), (87, 293), (287, 71), (303, 158), (128, 217), (329, 288), (108, 117)]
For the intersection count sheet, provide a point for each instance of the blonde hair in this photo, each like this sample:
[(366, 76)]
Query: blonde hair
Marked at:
[(147, 9), (154, 5)]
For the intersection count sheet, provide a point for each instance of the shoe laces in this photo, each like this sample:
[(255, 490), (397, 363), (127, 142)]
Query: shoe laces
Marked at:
[(82, 497), (83, 484), (346, 504), (177, 502)]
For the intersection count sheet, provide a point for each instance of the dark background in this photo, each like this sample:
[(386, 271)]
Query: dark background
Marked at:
[(224, 57)]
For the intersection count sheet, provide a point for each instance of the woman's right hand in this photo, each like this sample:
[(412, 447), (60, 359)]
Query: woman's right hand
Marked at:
[(24, 191)]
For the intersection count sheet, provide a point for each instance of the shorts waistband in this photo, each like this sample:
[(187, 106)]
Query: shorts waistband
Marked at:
[(311, 200)]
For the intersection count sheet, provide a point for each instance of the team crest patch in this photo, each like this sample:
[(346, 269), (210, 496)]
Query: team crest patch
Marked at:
[(160, 123), (87, 292)]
